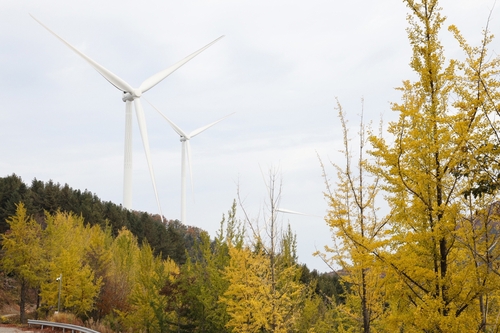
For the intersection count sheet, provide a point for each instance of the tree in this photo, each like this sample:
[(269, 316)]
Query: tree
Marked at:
[(120, 275), (98, 256), (320, 314), (12, 192), (176, 245), (477, 95), (23, 253), (478, 234), (171, 239), (357, 234), (275, 261), (430, 287), (204, 272), (148, 306), (247, 297), (66, 242)]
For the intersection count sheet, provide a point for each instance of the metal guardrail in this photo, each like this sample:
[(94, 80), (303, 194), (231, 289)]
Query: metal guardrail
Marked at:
[(73, 328)]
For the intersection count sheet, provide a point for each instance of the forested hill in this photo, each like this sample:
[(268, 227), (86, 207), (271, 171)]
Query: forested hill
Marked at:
[(170, 238)]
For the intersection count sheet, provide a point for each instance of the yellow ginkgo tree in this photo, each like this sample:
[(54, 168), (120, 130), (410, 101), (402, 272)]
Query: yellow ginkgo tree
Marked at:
[(434, 143), (65, 241), (265, 292), (23, 253), (358, 234)]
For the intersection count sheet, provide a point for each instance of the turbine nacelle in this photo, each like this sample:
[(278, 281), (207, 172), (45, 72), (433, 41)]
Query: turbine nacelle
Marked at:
[(127, 96)]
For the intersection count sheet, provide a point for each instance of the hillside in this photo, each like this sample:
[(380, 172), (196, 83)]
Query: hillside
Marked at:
[(169, 238)]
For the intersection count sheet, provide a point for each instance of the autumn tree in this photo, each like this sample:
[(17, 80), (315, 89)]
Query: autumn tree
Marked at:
[(478, 234), (477, 95), (66, 241), (247, 296), (273, 253), (357, 233), (320, 311), (23, 253), (148, 307), (205, 274), (250, 301), (427, 268), (118, 278)]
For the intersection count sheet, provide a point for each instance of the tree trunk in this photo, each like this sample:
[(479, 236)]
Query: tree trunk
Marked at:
[(22, 302)]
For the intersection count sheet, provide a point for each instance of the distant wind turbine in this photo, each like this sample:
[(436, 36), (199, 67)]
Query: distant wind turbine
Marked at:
[(130, 95), (186, 155), (288, 211)]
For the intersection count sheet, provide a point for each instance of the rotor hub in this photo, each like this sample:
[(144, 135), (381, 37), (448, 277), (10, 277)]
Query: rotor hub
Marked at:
[(137, 93)]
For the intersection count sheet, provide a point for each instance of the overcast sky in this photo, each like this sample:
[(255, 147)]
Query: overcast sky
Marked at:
[(280, 68)]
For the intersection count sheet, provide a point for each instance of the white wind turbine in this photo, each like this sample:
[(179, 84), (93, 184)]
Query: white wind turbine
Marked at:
[(130, 95), (186, 155)]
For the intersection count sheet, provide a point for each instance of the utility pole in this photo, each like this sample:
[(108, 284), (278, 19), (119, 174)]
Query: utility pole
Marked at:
[(59, 295)]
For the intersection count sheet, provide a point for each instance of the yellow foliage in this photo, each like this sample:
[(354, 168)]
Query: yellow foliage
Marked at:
[(147, 305), (250, 301), (65, 242), (22, 247), (432, 265), (435, 281)]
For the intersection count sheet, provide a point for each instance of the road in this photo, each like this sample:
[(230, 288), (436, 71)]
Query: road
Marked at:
[(4, 329)]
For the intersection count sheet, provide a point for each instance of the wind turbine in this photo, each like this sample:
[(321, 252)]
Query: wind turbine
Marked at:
[(132, 95), (186, 155), (288, 211)]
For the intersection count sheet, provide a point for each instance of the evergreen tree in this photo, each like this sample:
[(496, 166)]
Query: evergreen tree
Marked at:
[(205, 274), (12, 192)]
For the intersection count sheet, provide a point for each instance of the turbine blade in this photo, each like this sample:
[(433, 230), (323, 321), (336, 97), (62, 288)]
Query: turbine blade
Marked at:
[(287, 211), (158, 77), (174, 126), (204, 128), (145, 141), (108, 75)]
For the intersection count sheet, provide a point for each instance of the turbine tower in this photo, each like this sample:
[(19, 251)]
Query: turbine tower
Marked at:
[(186, 155), (132, 96)]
